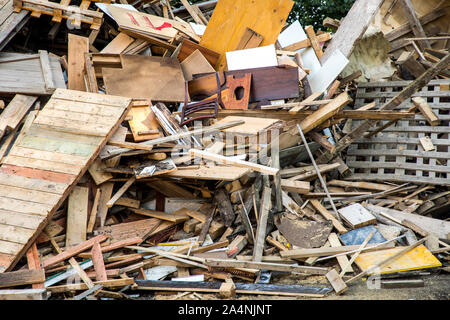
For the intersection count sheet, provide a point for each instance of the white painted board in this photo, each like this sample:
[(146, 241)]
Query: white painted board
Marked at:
[(252, 58)]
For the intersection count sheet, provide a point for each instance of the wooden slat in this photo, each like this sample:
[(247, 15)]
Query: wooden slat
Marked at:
[(8, 178), (38, 174), (77, 214), (77, 46), (17, 219), (21, 193), (15, 234), (24, 206)]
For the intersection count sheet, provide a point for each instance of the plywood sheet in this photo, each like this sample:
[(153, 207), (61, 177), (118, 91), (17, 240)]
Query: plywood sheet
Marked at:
[(231, 18), (35, 170), (418, 258), (142, 77)]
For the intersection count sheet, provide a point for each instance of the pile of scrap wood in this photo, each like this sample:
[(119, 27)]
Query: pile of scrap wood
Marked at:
[(214, 147)]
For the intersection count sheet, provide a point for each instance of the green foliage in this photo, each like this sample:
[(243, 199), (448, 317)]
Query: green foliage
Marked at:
[(313, 12), (308, 12)]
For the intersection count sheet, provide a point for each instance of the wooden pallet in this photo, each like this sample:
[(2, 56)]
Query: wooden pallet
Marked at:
[(33, 74), (63, 10), (46, 162), (10, 22), (395, 154)]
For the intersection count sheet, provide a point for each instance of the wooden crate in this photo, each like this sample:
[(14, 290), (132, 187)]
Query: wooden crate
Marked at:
[(395, 154)]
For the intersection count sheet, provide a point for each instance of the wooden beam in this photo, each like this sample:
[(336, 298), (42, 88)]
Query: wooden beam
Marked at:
[(21, 277), (77, 47), (99, 264), (315, 44), (324, 113), (73, 251), (77, 215), (414, 22), (307, 43), (301, 187)]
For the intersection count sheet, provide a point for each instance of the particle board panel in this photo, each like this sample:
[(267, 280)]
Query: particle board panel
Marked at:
[(395, 154), (35, 183), (418, 258), (142, 77), (231, 18)]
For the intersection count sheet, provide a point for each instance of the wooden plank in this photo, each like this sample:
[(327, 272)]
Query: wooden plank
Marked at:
[(265, 266), (262, 224), (118, 44), (14, 112), (111, 284), (9, 178), (15, 234), (414, 22), (334, 241), (78, 46), (352, 28), (210, 173), (318, 252), (301, 187), (99, 265), (172, 217), (73, 251), (250, 39), (29, 221), (324, 113), (23, 294), (77, 215), (22, 277), (314, 41), (34, 263), (120, 192), (188, 47), (233, 161)]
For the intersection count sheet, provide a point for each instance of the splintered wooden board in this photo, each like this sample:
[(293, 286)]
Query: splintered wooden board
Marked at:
[(418, 258), (231, 18), (142, 77), (395, 154), (143, 120), (47, 161)]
